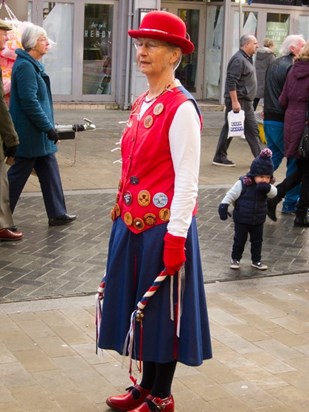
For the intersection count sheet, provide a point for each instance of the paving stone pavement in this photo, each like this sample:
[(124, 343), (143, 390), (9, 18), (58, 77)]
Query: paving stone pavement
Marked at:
[(69, 260), (259, 320)]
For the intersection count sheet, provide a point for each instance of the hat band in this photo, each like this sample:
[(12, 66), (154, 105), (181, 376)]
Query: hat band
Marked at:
[(155, 30), (163, 32)]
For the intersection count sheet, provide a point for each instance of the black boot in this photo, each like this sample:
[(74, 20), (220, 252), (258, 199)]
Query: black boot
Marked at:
[(271, 207), (301, 219)]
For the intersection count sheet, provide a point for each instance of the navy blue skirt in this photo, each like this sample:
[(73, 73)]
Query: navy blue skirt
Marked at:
[(134, 261)]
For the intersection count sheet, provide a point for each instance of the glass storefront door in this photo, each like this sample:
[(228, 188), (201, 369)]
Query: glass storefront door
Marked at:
[(190, 70), (79, 61), (97, 60), (58, 23)]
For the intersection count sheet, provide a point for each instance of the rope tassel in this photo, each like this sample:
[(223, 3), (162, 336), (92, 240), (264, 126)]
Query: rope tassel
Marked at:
[(137, 316), (98, 312)]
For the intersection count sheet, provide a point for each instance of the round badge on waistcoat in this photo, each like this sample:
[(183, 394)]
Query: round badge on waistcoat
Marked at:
[(150, 219), (143, 198), (148, 121), (127, 198), (158, 109), (128, 219), (134, 180), (160, 199), (138, 223), (164, 214), (115, 212)]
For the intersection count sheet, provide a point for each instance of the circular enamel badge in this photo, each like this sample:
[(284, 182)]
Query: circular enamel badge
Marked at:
[(160, 199), (134, 180), (164, 214), (148, 121), (138, 223), (128, 219), (143, 198), (115, 212), (150, 219), (127, 196), (158, 109)]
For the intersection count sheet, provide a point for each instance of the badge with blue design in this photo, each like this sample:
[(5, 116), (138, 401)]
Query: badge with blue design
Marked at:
[(160, 199)]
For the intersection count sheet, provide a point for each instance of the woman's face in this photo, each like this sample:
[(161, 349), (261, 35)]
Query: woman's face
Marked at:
[(41, 46), (153, 57)]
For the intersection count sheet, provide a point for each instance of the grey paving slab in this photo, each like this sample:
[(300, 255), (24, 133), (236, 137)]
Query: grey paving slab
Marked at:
[(69, 260)]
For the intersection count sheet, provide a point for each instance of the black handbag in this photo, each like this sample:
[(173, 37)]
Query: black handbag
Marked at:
[(303, 149)]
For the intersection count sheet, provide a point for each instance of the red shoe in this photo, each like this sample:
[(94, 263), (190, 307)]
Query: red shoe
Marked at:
[(7, 234), (166, 404), (132, 399)]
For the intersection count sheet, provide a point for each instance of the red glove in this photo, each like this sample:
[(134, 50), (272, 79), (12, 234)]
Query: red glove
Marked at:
[(174, 253)]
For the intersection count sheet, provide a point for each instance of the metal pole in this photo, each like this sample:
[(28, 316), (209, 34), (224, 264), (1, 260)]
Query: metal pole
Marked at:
[(241, 24)]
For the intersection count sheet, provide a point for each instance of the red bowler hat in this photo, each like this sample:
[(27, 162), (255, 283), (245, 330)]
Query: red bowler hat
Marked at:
[(165, 26)]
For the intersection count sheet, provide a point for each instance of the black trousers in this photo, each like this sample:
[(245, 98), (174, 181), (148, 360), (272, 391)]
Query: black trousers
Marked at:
[(300, 176), (251, 131), (241, 232)]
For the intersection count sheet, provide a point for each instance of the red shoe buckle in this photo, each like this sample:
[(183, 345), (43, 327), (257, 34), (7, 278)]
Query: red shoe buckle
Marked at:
[(166, 404)]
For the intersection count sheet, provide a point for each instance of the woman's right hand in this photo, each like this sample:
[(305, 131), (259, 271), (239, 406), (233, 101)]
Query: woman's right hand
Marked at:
[(174, 253)]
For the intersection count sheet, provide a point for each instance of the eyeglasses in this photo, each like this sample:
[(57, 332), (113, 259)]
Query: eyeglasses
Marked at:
[(43, 40), (150, 45)]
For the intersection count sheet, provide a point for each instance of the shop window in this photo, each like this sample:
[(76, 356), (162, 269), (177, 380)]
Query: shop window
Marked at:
[(186, 71), (214, 28), (250, 20), (303, 26), (277, 28), (58, 23), (97, 64)]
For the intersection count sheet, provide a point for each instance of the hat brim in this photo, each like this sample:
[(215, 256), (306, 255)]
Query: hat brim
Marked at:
[(5, 27), (186, 45)]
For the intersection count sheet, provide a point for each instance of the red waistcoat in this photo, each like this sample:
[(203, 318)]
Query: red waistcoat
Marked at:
[(146, 186)]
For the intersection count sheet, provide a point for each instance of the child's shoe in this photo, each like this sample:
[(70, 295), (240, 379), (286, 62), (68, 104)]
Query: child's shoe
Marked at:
[(259, 265), (234, 264)]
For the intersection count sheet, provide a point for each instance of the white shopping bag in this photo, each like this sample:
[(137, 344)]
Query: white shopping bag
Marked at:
[(236, 124)]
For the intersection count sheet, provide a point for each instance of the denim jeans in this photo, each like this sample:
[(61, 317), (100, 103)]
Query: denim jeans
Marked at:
[(274, 137)]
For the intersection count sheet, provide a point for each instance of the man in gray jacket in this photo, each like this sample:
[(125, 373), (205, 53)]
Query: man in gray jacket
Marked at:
[(240, 91), (8, 144)]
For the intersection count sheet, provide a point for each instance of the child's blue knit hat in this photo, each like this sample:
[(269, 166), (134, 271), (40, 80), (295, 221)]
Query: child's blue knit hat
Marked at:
[(263, 164)]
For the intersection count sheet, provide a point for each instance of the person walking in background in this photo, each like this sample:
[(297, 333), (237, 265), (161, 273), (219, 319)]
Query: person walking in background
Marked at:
[(154, 226), (274, 113), (295, 100), (264, 56), (249, 195), (240, 90), (31, 109), (8, 144)]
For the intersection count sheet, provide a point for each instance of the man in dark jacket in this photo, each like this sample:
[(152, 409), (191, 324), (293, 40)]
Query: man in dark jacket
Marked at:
[(8, 144), (240, 91), (274, 114)]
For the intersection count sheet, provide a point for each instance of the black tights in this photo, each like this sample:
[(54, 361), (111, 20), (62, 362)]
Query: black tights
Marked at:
[(158, 377)]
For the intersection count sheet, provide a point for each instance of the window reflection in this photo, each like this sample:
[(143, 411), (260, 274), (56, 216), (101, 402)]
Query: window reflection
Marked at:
[(58, 23), (277, 28), (186, 71), (97, 64)]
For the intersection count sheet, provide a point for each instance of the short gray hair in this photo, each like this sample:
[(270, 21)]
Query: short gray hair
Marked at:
[(30, 35), (245, 39), (290, 41)]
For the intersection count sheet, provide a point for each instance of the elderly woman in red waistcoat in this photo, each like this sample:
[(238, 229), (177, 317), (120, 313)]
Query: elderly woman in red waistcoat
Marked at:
[(154, 229)]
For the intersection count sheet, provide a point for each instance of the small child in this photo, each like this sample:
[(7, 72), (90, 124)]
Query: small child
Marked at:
[(249, 197)]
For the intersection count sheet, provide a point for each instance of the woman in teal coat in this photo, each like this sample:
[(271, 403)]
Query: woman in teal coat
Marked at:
[(31, 109)]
